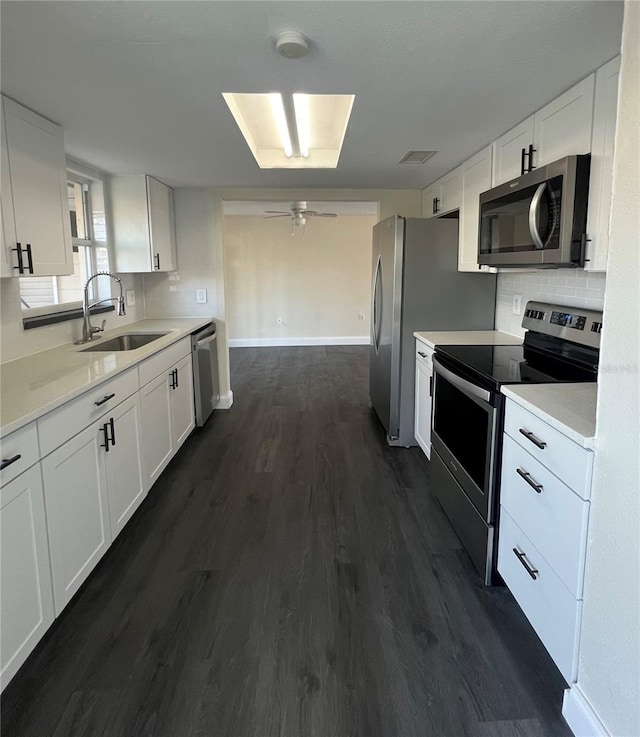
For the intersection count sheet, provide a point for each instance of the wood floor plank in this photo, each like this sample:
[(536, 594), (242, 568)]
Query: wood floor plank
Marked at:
[(289, 575)]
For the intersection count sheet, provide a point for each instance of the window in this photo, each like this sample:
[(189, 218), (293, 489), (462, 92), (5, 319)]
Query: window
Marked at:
[(51, 294)]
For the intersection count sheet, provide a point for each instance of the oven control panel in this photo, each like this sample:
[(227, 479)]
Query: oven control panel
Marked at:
[(576, 324)]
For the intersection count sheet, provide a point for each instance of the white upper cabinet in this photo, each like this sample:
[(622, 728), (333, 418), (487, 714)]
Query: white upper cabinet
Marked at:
[(601, 177), (143, 224), (35, 213), (511, 152), (443, 196), (476, 178), (563, 127)]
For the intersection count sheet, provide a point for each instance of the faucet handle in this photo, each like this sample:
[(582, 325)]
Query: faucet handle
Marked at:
[(104, 322)]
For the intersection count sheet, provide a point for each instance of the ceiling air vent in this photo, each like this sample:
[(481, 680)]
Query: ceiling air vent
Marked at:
[(417, 157)]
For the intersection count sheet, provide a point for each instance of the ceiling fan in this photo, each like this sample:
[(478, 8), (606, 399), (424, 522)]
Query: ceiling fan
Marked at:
[(298, 214)]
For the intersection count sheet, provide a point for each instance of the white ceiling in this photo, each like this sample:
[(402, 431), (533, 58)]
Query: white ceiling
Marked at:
[(137, 85), (241, 207)]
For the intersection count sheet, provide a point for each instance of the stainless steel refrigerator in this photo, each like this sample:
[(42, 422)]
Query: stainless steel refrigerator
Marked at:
[(417, 286)]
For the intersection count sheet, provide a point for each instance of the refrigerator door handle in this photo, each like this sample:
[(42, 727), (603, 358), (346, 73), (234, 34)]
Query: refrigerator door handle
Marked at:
[(376, 306)]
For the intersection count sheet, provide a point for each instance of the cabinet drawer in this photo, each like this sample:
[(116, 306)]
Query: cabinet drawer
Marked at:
[(424, 355), (554, 517), (19, 451), (547, 603), (163, 361), (566, 459), (63, 423)]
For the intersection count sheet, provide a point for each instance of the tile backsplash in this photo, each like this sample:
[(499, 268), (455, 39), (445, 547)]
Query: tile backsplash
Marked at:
[(571, 287)]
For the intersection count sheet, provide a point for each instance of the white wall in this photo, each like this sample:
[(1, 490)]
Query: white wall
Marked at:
[(609, 670), (317, 282), (571, 287)]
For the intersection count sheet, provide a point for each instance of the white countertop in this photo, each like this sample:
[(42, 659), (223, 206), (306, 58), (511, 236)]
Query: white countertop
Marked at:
[(467, 337), (36, 384), (570, 408)]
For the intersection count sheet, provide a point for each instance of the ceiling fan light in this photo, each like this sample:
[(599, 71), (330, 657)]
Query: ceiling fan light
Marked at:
[(301, 108), (277, 108)]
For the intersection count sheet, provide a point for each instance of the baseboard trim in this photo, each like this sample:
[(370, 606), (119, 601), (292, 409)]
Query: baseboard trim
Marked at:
[(225, 401), (274, 342), (580, 715)]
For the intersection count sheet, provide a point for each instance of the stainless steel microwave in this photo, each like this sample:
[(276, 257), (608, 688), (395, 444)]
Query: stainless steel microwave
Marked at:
[(538, 219)]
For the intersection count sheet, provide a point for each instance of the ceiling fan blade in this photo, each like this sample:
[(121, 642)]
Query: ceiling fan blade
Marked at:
[(278, 212), (281, 215), (325, 215)]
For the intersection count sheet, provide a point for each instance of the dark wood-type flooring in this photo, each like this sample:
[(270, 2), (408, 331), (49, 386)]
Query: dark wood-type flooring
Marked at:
[(289, 576)]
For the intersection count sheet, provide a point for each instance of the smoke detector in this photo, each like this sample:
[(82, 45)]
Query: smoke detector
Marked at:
[(292, 45)]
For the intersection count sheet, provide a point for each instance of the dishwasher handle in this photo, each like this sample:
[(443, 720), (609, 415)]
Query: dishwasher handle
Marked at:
[(206, 340)]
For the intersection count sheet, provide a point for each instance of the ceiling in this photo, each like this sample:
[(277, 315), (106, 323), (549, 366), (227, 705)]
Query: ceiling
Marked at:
[(137, 85), (259, 209)]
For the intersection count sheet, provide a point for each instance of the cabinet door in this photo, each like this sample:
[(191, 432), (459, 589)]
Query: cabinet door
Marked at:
[(476, 178), (428, 200), (161, 225), (75, 488), (25, 580), (423, 408), (157, 446), (451, 191), (601, 176), (563, 127), (8, 226), (507, 152), (124, 463), (182, 408), (39, 190)]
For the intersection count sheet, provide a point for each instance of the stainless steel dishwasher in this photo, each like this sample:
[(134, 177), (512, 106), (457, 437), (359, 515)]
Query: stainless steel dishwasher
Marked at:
[(206, 384)]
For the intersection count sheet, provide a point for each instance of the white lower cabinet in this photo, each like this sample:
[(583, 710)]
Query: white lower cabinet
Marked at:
[(75, 486), (25, 576), (168, 416), (544, 514), (423, 399)]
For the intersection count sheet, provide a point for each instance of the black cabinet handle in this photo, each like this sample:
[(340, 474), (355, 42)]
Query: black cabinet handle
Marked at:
[(527, 477), (533, 572), (435, 205), (532, 151), (420, 353), (156, 259), (29, 259), (20, 266), (177, 382), (530, 436), (523, 153), (106, 398), (9, 461), (113, 431), (105, 430), (173, 378), (431, 386)]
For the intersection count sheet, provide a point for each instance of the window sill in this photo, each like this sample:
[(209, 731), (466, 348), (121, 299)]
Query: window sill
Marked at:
[(40, 321)]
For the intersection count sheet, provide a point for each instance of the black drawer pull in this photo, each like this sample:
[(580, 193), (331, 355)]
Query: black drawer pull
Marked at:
[(106, 398), (530, 436), (527, 477), (9, 461), (420, 353), (533, 572)]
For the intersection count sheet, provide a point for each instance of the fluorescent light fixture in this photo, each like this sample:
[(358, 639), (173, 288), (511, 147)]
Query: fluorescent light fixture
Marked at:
[(301, 107), (292, 131), (277, 108)]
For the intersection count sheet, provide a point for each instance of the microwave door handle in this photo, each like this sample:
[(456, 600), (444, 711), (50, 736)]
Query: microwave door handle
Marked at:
[(466, 387), (534, 208)]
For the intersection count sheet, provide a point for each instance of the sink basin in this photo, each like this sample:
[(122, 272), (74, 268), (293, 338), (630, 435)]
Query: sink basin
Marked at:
[(124, 342)]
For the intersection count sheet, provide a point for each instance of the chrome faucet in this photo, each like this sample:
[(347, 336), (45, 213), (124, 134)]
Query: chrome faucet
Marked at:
[(88, 330)]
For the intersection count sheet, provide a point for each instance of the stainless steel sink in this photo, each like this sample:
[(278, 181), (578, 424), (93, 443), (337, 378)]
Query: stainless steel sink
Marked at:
[(124, 342)]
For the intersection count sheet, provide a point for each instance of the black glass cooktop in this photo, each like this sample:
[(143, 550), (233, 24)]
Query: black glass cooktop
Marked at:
[(520, 364)]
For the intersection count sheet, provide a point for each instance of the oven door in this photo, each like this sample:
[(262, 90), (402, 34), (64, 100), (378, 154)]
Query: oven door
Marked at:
[(465, 434)]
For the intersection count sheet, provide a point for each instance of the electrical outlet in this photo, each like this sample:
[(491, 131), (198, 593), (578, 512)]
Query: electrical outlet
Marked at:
[(131, 297), (201, 296), (360, 315), (516, 306)]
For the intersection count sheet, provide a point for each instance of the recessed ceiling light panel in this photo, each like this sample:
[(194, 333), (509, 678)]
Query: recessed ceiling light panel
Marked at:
[(298, 131)]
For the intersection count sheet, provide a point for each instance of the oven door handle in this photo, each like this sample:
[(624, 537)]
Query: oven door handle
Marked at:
[(465, 386)]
